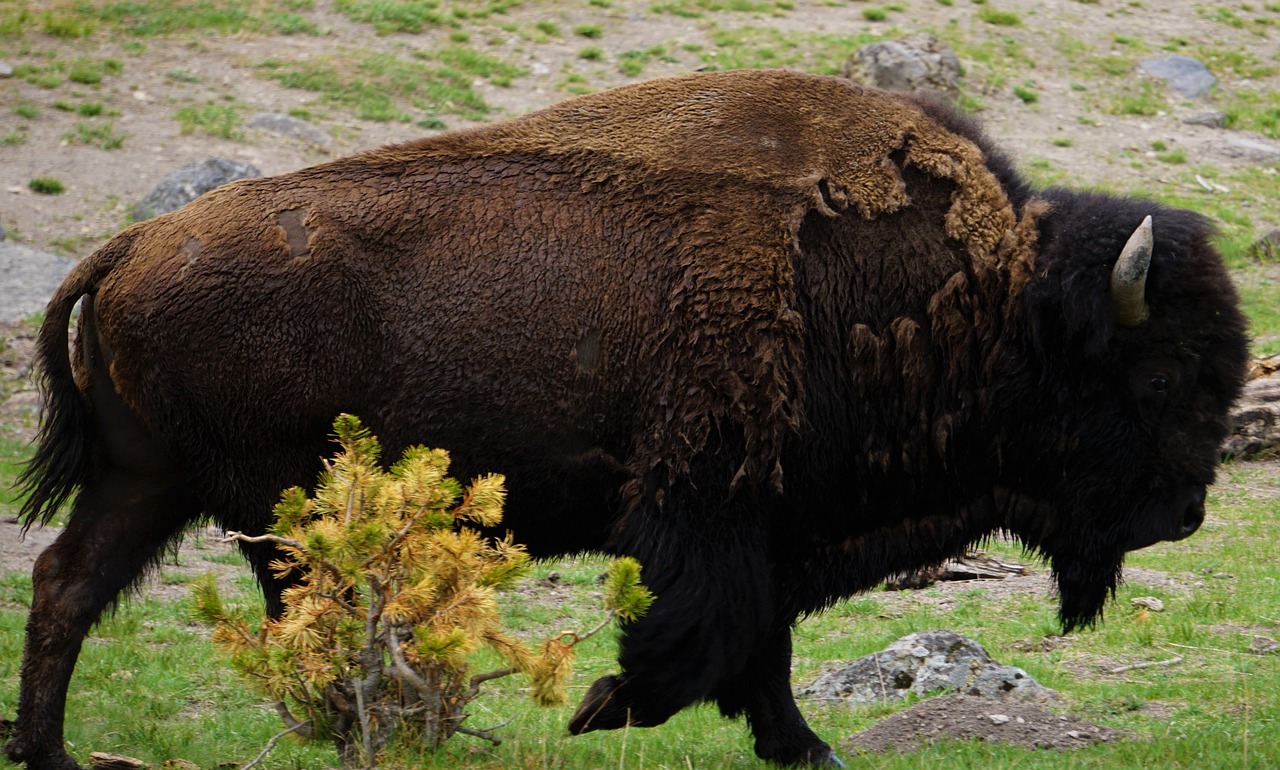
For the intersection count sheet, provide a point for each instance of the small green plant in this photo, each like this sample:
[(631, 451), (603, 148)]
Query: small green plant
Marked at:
[(548, 27), (100, 135), (46, 185), (65, 26), (222, 120), (591, 53), (182, 76), (89, 109), (1175, 156), (13, 138), (999, 18), (1063, 141), (1026, 93), (395, 591), (875, 14), (27, 110), (592, 31)]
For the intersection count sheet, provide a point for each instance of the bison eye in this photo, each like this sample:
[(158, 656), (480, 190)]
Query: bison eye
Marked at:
[(1158, 383)]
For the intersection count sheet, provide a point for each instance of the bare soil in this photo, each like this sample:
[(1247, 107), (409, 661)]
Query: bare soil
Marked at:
[(965, 717)]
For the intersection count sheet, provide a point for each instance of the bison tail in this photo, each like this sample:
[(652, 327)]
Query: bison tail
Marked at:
[(63, 458)]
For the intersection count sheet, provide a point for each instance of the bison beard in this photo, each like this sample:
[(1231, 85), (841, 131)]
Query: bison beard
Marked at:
[(776, 336)]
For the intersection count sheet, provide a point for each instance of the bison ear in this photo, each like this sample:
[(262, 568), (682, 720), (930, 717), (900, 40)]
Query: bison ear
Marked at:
[(1129, 277)]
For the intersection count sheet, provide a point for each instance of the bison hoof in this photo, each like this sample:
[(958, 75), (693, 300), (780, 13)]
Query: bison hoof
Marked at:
[(19, 750)]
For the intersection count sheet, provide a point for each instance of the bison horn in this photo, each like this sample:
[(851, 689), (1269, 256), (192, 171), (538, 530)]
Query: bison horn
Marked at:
[(1129, 277)]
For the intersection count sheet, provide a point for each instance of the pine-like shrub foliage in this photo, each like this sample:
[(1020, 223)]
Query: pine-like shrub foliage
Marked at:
[(395, 590)]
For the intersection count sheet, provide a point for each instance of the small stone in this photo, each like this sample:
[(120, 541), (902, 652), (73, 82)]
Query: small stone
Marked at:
[(1078, 735), (920, 652), (1250, 150), (1186, 76), (287, 125), (998, 719), (6, 69), (1149, 602), (1211, 119), (1264, 645)]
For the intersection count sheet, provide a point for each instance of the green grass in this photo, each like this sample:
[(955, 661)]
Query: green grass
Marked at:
[(999, 18), (147, 18), (1253, 111), (381, 86), (150, 685), (755, 47), (389, 16), (221, 120), (100, 135), (46, 185)]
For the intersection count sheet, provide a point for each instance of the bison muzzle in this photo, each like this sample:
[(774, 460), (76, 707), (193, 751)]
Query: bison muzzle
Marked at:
[(776, 336)]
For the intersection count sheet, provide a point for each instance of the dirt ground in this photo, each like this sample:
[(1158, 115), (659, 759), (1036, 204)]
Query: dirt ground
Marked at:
[(1093, 147)]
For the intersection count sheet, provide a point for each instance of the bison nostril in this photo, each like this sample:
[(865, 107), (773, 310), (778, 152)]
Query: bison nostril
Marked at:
[(1192, 518)]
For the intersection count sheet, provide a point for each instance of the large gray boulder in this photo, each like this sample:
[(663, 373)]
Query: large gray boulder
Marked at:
[(924, 663), (918, 63), (178, 188)]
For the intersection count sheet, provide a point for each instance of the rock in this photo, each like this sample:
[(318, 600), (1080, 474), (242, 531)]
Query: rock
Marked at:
[(287, 125), (27, 279), (1249, 149), (6, 69), (1264, 645), (1186, 76), (1149, 602), (951, 662), (178, 188), (998, 719), (1265, 249), (1211, 119), (918, 63), (1255, 418)]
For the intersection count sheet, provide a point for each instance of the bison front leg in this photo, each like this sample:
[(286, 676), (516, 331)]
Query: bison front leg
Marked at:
[(116, 528), (713, 597), (762, 692)]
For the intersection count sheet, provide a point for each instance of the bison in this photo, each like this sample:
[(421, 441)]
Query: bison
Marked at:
[(777, 336)]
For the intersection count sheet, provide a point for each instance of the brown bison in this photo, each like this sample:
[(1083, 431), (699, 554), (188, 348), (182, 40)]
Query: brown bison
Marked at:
[(776, 336)]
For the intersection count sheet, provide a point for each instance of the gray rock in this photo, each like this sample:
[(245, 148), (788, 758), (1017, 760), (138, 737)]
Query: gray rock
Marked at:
[(1186, 76), (1255, 418), (28, 278), (178, 188), (6, 69), (952, 662), (287, 125), (1249, 149), (918, 63), (1265, 249), (1213, 119)]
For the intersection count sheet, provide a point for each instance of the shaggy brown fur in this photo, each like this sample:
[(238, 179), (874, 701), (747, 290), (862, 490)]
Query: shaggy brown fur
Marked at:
[(775, 335)]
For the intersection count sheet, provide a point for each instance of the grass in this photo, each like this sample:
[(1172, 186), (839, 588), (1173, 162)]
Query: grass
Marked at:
[(46, 185), (149, 684), (381, 86), (221, 120), (100, 135)]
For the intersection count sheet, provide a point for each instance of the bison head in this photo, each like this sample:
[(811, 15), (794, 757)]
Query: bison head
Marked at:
[(1138, 350)]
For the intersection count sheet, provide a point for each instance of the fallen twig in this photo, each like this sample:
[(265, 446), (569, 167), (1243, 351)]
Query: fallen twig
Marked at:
[(1148, 664), (271, 744)]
